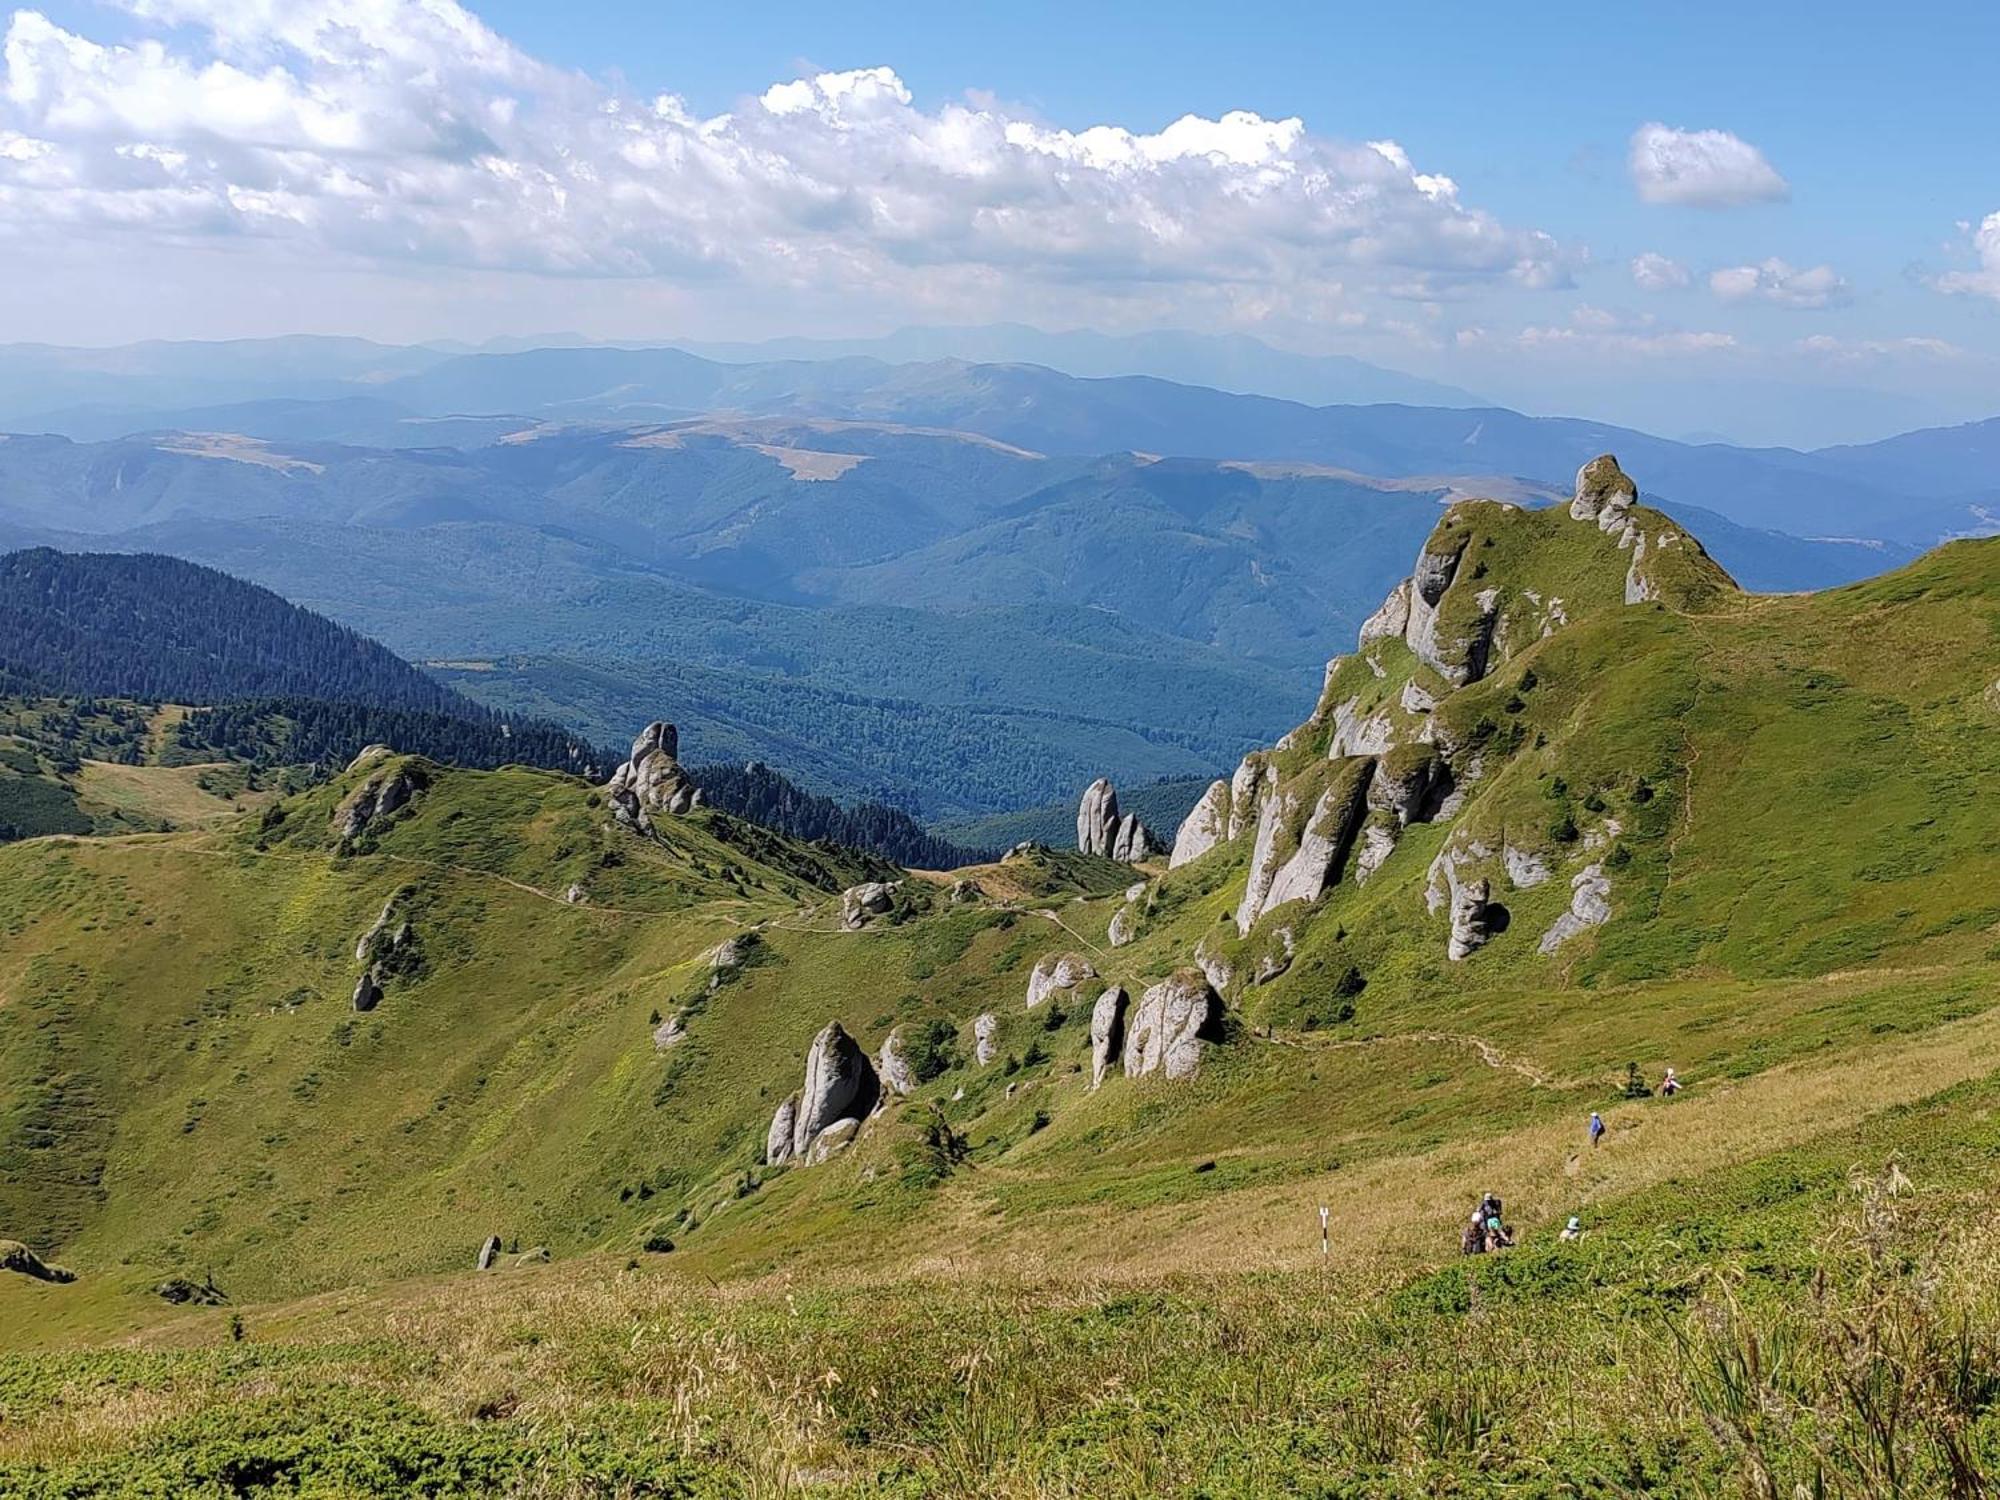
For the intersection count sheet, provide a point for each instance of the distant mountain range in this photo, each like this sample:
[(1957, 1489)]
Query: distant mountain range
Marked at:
[(987, 579)]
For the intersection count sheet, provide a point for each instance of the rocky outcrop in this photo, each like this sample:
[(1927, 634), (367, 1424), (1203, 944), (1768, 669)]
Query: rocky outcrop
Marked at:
[(839, 1084), (1102, 831), (727, 956), (1097, 818), (1391, 621), (1250, 771), (894, 1065), (368, 755), (668, 1032), (1604, 493), (984, 1029), (1294, 859), (1124, 926), (652, 784), (965, 892), (367, 991), (376, 799), (1355, 735), (1204, 828), (1217, 970), (861, 904), (839, 1134), (1471, 923), (1441, 881), (1378, 842), (1409, 783), (1589, 906), (1107, 1032), (18, 1258), (1525, 868), (489, 1251), (1055, 973), (1432, 576), (1171, 1027), (778, 1139)]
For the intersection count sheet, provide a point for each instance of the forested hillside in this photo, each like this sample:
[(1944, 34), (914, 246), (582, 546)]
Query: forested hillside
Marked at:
[(762, 795), (162, 630)]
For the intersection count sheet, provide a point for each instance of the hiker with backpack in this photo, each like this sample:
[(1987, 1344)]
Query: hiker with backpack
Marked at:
[(1596, 1128)]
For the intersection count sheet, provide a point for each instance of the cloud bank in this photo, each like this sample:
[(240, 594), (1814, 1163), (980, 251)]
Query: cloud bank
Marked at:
[(409, 131), (1776, 281), (1704, 168), (1985, 281)]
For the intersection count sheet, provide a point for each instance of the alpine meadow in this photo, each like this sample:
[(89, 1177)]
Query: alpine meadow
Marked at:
[(1107, 792)]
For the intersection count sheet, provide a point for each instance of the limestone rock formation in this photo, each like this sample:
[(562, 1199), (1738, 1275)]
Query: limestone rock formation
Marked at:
[(1589, 906), (1409, 784), (778, 1139), (1107, 1032), (1355, 735), (667, 1033), (652, 783), (1391, 620), (489, 1252), (376, 798), (367, 991), (1204, 828), (1525, 868), (1294, 858), (894, 1065), (838, 1134), (369, 754), (1171, 1027), (1056, 972), (1604, 493), (1124, 926), (840, 1083), (860, 904), (1243, 792), (1100, 830), (1216, 969), (964, 892), (1470, 919), (1378, 842), (1096, 818), (984, 1029)]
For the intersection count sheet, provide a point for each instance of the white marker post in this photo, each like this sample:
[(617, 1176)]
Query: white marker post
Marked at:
[(1325, 1247)]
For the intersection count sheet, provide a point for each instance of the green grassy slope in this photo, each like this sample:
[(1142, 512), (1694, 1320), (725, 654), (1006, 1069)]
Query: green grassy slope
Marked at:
[(1783, 794)]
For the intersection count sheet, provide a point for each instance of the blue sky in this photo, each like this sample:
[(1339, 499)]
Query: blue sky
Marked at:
[(407, 170)]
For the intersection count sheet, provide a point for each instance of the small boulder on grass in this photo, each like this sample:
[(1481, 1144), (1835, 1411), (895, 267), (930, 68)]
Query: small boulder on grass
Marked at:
[(17, 1257)]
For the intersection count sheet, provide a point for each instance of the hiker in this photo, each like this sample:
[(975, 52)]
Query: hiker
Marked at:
[(1596, 1127), (1573, 1230), (1473, 1240), (1670, 1085), (1498, 1236)]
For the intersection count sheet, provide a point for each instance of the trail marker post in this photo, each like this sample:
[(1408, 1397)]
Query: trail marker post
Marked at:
[(1325, 1247)]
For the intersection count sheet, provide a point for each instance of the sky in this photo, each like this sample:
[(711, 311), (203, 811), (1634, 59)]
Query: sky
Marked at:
[(1716, 215)]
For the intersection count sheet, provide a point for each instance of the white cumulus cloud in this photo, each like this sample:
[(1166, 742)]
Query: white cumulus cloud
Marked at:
[(1776, 281), (1985, 281), (1653, 272), (408, 130), (1705, 168)]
